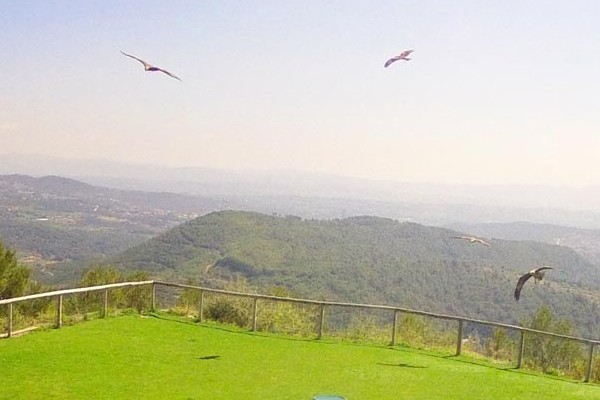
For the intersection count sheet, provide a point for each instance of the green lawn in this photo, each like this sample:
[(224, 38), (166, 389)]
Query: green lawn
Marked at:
[(133, 357)]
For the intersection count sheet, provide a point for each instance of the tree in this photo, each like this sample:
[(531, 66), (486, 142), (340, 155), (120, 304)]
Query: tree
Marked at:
[(137, 297), (189, 298), (548, 353), (14, 278), (499, 345), (132, 297)]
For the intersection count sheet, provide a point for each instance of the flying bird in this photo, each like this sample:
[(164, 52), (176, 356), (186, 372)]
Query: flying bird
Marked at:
[(403, 56), (473, 239), (537, 274), (150, 67)]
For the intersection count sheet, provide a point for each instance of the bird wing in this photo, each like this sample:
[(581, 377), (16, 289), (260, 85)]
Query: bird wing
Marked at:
[(462, 237), (542, 268), (405, 53), (520, 284), (483, 242), (168, 73), (390, 61), (473, 239), (146, 65)]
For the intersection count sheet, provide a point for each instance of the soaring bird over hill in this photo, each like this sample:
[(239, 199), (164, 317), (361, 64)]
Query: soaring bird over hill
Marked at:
[(537, 274), (473, 239), (403, 56), (150, 67)]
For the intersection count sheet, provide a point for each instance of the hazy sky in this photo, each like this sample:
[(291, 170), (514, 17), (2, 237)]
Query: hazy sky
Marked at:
[(496, 92)]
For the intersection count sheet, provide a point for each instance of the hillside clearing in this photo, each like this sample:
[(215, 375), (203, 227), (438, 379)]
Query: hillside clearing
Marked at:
[(162, 357)]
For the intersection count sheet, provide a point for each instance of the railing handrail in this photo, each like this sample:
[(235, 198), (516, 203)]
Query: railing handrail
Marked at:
[(380, 307), (295, 300), (71, 291)]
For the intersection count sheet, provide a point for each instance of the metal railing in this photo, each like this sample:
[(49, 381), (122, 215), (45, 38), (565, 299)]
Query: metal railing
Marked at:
[(321, 306)]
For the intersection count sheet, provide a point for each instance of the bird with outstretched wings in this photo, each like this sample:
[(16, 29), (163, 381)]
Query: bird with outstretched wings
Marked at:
[(150, 67), (537, 275), (473, 239), (403, 56)]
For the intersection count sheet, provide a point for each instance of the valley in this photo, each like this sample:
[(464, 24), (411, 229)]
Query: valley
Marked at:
[(61, 227)]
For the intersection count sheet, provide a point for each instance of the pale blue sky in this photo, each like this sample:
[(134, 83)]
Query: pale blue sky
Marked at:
[(496, 92)]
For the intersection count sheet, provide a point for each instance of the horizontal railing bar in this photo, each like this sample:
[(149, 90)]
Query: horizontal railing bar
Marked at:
[(379, 307), (71, 291), (22, 331), (294, 300)]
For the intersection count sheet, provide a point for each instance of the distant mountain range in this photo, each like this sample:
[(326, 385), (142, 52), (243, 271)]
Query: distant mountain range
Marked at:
[(374, 260), (437, 204), (52, 220)]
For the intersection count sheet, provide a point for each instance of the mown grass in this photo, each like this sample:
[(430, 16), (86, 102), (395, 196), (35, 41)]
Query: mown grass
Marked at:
[(162, 357)]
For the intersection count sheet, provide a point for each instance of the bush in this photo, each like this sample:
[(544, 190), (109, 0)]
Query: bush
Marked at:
[(136, 297), (224, 312)]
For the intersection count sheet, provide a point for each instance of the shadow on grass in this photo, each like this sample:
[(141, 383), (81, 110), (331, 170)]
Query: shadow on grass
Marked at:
[(233, 329), (401, 348), (212, 357), (403, 365), (484, 363)]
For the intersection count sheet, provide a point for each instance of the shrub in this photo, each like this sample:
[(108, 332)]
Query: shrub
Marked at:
[(224, 312)]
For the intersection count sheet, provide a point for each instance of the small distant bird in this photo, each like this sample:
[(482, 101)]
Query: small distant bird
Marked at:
[(150, 67), (473, 239), (403, 56), (537, 274)]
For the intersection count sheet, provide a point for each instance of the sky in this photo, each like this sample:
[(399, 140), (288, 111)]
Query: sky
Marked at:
[(497, 92)]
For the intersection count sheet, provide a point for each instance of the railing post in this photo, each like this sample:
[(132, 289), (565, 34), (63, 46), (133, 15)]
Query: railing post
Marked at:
[(105, 308), (588, 372), (9, 327), (459, 338), (59, 303), (153, 307), (255, 311), (521, 350), (201, 308), (321, 321), (394, 328)]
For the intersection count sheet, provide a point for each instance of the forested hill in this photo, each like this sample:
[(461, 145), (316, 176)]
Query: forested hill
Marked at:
[(369, 259)]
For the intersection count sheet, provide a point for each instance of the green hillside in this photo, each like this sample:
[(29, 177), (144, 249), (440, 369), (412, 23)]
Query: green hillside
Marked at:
[(374, 260)]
